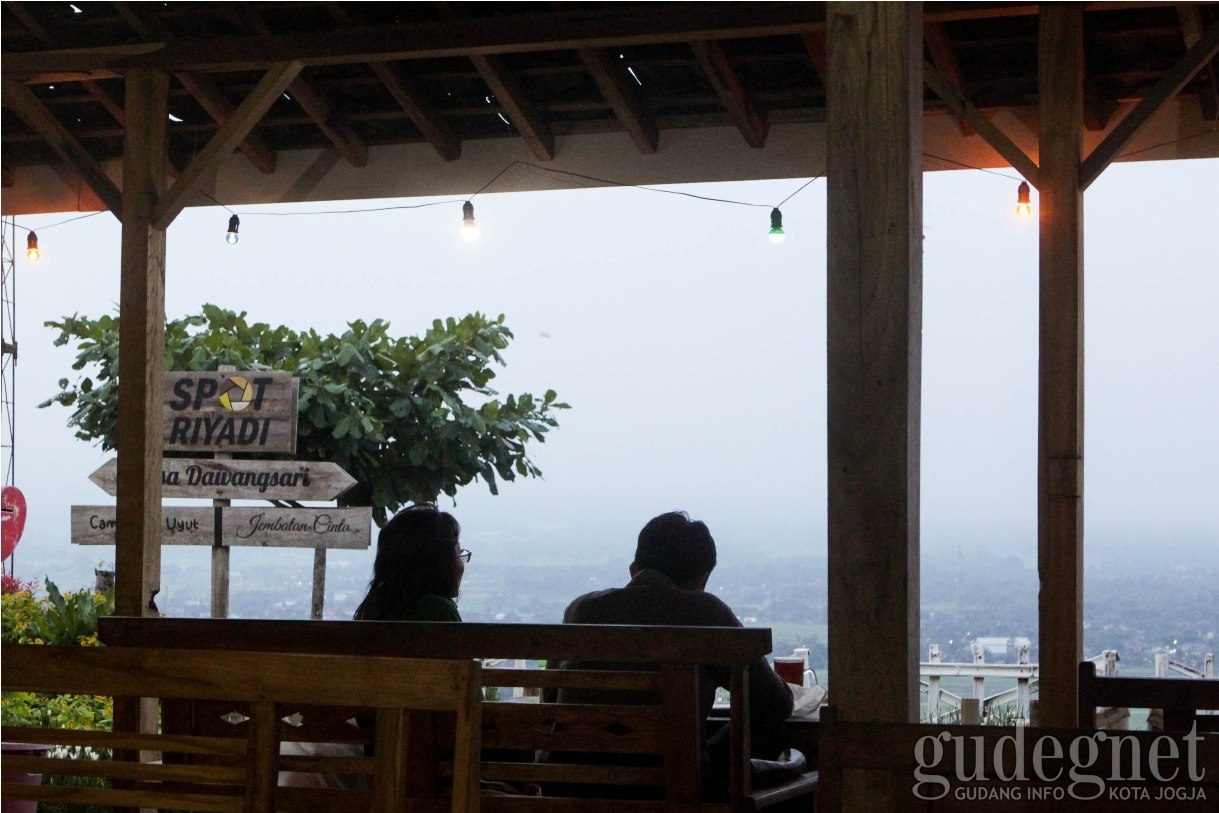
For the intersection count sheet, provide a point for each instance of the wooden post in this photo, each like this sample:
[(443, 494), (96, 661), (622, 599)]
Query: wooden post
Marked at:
[(220, 566), (874, 149), (220, 553), (1060, 367), (971, 711), (137, 556), (137, 561), (317, 605), (875, 153)]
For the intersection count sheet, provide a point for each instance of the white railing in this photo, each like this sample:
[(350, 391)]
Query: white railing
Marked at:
[(1164, 666), (946, 706)]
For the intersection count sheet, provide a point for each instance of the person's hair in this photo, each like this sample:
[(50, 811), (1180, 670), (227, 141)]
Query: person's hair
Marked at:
[(677, 546), (415, 557)]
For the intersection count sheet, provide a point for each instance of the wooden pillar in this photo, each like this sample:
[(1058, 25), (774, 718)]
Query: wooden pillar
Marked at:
[(137, 562), (1060, 424), (874, 101)]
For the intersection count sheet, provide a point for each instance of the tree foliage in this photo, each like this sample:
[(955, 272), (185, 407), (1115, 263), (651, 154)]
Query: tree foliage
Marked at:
[(409, 418)]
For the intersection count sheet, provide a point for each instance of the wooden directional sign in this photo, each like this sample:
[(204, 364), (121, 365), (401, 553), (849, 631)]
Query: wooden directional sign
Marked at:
[(240, 479), (233, 527), (229, 412), (94, 525)]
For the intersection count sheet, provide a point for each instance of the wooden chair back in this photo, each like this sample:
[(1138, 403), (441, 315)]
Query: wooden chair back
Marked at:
[(578, 753), (238, 771)]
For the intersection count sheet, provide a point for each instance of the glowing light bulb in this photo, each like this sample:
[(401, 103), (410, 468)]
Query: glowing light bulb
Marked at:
[(1023, 207), (31, 248), (469, 228), (776, 235), (230, 236)]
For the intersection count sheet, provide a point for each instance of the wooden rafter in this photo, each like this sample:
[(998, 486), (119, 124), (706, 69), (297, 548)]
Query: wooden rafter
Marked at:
[(413, 102), (209, 95), (316, 105), (732, 93), (430, 123), (1191, 29), (638, 122), (332, 124), (814, 46), (44, 36), (944, 58), (225, 140), (504, 85), (588, 28), (21, 99), (995, 137), (1099, 106), (1169, 85), (521, 111)]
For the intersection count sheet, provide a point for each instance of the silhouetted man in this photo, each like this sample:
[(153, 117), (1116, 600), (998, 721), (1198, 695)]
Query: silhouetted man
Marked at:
[(673, 560)]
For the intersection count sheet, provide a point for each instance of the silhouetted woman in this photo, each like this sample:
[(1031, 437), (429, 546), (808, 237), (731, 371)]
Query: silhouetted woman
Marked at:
[(418, 569)]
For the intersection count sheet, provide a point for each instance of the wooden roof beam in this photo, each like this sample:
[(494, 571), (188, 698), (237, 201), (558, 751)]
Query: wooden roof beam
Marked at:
[(814, 45), (21, 99), (944, 57), (1191, 28), (993, 136), (226, 139), (209, 95), (458, 37), (723, 77), (521, 112), (413, 102), (1169, 85), (42, 35), (640, 125), (333, 124), (431, 124), (1099, 107)]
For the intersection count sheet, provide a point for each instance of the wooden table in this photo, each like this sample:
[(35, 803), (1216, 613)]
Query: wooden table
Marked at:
[(802, 731)]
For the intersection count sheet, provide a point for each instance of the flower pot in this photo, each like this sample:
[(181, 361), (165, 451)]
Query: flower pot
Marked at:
[(20, 777)]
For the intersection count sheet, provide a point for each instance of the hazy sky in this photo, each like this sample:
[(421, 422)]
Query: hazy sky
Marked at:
[(693, 354)]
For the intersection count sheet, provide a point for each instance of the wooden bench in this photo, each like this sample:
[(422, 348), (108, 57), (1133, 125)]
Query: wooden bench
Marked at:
[(649, 748), (1181, 699), (238, 771), (917, 766)]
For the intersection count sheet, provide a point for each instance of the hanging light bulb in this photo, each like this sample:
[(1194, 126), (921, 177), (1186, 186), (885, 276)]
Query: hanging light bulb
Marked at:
[(469, 228), (230, 236), (777, 235), (31, 248), (1023, 207)]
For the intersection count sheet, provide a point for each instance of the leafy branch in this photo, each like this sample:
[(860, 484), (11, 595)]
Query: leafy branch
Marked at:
[(408, 417)]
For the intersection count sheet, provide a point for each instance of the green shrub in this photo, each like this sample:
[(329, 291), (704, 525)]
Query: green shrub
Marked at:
[(59, 619)]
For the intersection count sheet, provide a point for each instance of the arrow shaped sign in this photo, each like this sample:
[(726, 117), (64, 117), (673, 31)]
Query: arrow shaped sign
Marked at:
[(240, 479)]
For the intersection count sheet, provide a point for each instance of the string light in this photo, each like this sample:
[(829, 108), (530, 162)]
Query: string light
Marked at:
[(1023, 207), (230, 236), (31, 248), (469, 228), (777, 235)]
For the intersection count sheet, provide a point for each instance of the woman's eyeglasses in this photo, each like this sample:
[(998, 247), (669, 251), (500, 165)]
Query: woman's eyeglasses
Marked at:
[(464, 555)]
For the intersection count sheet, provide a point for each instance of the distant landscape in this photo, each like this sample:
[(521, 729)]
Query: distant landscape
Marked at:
[(1140, 603)]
